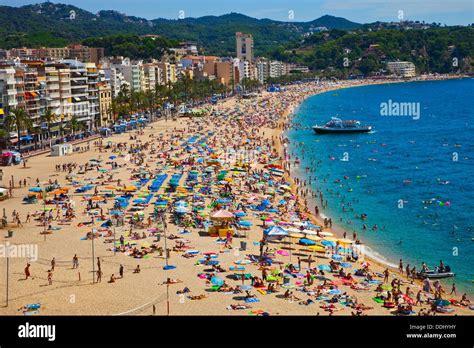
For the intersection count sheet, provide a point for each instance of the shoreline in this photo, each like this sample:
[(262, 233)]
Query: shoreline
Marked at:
[(290, 174)]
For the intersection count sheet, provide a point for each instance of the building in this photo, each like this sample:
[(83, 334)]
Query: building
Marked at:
[(92, 74), (403, 69), (80, 107), (168, 72), (82, 53), (115, 78), (244, 46), (8, 90), (151, 76), (105, 104)]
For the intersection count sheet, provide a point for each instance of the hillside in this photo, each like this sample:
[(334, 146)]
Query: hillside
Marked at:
[(49, 24)]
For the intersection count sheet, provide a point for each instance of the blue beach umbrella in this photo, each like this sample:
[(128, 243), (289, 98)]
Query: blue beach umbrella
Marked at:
[(305, 241), (324, 267), (328, 243), (112, 157), (217, 281), (336, 257), (35, 189), (346, 265), (240, 214), (245, 223)]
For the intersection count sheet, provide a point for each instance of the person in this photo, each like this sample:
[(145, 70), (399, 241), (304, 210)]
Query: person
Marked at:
[(112, 279), (310, 261), (50, 277), (400, 266), (137, 270), (27, 271), (98, 263), (386, 275), (53, 263), (299, 263), (441, 266), (99, 276), (464, 300), (453, 289), (121, 271), (75, 262), (419, 298)]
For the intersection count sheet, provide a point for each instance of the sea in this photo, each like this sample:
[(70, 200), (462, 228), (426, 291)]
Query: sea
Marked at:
[(412, 175)]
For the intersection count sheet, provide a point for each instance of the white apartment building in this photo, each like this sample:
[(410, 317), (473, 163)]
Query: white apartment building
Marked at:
[(93, 92), (8, 88), (403, 69), (81, 105)]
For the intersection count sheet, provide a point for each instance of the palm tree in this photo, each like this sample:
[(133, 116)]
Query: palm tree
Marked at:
[(75, 125), (17, 119), (49, 117)]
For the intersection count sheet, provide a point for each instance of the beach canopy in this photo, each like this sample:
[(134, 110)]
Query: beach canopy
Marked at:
[(222, 215), (275, 232)]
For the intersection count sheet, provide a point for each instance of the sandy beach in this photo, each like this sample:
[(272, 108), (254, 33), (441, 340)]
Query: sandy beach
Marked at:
[(225, 169)]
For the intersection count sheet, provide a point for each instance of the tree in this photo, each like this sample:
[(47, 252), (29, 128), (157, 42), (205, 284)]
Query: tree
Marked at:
[(49, 117), (17, 119), (75, 124)]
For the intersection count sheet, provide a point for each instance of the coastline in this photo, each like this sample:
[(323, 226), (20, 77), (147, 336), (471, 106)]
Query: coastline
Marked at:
[(373, 255)]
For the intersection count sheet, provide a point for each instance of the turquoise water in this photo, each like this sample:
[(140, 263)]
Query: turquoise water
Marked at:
[(411, 176)]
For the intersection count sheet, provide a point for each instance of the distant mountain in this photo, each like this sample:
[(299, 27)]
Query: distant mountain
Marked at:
[(58, 24)]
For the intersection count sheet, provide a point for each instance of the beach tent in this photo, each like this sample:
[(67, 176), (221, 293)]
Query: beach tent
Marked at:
[(222, 215), (275, 233), (61, 149)]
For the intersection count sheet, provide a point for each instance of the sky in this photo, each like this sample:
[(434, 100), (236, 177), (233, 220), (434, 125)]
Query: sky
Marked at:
[(450, 12)]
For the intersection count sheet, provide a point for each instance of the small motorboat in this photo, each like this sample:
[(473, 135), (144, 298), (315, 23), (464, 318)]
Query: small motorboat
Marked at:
[(436, 273)]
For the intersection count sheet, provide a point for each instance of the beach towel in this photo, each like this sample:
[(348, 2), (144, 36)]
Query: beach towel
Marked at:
[(262, 291), (252, 300), (378, 300)]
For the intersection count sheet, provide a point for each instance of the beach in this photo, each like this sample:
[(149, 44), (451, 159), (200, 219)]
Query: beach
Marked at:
[(239, 144)]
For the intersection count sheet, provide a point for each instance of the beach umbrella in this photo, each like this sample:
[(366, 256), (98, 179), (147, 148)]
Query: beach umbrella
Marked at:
[(296, 235), (331, 239), (217, 281), (336, 257), (35, 189), (246, 287), (315, 238), (442, 303), (325, 233), (112, 157), (240, 214), (317, 248), (328, 243), (245, 223), (345, 241), (305, 241), (324, 267)]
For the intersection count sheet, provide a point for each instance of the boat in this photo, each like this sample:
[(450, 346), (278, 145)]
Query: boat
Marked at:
[(436, 273), (336, 126)]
